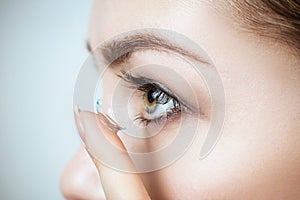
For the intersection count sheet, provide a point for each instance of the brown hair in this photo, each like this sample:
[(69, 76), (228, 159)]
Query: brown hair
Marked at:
[(275, 19)]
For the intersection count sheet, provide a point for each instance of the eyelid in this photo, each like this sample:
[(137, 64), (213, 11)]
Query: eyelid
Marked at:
[(140, 81)]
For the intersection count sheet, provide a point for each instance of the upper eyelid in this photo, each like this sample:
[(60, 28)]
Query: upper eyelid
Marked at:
[(134, 80)]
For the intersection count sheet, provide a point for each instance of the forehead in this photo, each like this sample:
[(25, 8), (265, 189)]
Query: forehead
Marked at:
[(204, 22), (113, 17)]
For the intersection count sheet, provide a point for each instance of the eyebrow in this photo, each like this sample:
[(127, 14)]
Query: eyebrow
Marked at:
[(121, 49)]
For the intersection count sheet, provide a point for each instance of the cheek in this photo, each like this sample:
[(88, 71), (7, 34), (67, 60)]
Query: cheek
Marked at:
[(246, 163), (226, 175)]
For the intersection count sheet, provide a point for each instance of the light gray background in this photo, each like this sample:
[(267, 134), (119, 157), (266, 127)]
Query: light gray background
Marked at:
[(42, 45)]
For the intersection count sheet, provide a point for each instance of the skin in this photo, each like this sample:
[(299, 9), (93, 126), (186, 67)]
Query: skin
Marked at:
[(258, 155)]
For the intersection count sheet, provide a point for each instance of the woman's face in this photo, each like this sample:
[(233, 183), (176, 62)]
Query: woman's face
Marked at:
[(258, 153)]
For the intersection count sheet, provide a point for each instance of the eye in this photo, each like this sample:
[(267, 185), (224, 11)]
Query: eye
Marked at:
[(158, 103), (150, 99)]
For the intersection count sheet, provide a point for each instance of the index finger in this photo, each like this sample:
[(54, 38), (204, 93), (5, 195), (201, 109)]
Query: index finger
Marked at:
[(116, 184)]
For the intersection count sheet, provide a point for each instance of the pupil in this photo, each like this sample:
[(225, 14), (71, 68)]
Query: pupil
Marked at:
[(151, 96)]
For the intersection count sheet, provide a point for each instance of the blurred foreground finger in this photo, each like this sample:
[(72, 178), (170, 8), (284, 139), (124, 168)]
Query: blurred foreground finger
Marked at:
[(117, 185)]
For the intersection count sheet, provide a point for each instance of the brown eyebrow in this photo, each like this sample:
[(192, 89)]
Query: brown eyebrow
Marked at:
[(119, 50)]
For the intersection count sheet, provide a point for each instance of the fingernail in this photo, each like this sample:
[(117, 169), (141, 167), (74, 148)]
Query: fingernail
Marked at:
[(106, 121), (78, 123)]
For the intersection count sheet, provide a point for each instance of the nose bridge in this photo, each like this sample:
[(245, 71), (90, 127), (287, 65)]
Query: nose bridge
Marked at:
[(80, 179)]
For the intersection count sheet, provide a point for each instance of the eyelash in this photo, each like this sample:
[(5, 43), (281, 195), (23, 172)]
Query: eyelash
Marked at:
[(144, 84)]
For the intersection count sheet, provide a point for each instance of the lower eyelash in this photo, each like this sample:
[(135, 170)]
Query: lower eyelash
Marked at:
[(142, 120)]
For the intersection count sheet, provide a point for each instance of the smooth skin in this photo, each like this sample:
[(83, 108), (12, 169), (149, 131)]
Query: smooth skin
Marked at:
[(258, 155)]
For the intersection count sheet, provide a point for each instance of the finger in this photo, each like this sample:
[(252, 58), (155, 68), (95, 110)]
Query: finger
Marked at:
[(116, 184)]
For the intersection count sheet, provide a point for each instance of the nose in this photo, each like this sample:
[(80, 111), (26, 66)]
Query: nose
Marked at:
[(80, 179)]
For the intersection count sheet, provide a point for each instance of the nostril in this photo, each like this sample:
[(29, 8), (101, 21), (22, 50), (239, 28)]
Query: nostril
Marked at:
[(80, 179)]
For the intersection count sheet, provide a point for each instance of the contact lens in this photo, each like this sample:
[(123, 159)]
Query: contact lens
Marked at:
[(106, 119)]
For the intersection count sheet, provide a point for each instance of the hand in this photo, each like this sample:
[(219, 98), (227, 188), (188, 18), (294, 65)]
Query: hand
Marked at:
[(117, 185)]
